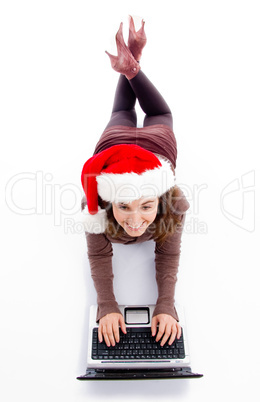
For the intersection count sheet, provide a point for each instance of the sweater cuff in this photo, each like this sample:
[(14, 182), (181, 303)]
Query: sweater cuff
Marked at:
[(162, 309), (104, 309)]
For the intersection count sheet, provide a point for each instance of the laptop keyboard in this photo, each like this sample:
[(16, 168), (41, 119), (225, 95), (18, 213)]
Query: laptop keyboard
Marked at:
[(137, 344)]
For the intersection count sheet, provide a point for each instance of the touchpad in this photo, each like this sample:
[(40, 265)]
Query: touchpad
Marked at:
[(137, 315)]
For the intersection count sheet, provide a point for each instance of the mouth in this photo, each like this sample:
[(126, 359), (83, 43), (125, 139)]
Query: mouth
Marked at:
[(135, 228)]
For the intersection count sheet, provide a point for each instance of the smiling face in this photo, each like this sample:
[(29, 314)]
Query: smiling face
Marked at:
[(136, 216)]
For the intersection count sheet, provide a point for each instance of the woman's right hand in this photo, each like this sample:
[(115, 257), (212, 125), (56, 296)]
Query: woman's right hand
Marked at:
[(109, 328)]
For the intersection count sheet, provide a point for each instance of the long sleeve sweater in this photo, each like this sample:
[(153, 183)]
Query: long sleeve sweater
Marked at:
[(167, 255)]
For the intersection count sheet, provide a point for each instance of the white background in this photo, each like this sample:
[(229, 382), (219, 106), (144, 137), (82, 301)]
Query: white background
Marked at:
[(57, 89)]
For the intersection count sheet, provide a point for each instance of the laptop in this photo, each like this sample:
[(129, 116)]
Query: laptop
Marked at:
[(137, 355)]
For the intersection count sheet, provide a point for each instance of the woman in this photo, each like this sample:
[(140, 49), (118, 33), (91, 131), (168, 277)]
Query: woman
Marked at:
[(131, 195)]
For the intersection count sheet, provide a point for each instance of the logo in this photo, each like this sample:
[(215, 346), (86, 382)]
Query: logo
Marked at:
[(237, 201)]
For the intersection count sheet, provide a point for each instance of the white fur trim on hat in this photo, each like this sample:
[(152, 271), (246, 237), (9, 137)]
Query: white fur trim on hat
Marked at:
[(128, 187), (94, 223)]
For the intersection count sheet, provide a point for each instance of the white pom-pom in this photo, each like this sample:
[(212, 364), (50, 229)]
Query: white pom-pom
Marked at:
[(94, 223)]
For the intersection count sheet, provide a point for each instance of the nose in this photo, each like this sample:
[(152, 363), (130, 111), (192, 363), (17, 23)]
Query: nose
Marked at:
[(134, 218)]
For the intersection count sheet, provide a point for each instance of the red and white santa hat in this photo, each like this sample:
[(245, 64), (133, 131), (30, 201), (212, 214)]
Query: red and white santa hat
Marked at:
[(122, 173)]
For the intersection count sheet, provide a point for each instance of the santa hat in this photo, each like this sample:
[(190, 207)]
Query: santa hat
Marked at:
[(122, 173)]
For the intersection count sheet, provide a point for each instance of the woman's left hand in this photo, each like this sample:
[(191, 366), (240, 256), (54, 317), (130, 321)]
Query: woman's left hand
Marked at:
[(168, 327)]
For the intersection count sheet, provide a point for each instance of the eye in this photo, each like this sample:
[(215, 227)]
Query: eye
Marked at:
[(145, 207), (123, 207)]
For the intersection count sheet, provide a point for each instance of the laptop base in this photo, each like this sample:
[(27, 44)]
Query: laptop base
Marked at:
[(140, 374)]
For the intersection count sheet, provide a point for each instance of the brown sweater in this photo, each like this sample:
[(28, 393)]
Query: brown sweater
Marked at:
[(167, 255), (160, 140)]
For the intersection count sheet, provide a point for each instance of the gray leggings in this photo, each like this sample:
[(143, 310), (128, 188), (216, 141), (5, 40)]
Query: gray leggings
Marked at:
[(151, 101)]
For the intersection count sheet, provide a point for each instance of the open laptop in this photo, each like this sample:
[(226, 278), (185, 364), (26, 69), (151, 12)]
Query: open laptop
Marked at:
[(137, 355)]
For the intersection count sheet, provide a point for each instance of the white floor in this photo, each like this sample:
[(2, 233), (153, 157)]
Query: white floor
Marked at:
[(57, 88)]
